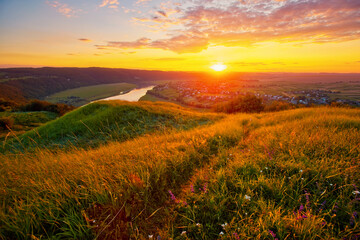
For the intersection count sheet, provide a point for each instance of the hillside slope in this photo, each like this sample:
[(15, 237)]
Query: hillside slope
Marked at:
[(285, 175), (104, 121)]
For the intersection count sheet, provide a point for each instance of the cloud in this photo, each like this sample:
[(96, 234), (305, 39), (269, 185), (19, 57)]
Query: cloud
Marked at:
[(109, 3), (85, 40), (179, 44), (64, 9), (197, 24), (139, 2)]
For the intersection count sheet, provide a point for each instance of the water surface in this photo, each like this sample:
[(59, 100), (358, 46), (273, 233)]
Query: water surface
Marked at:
[(132, 96)]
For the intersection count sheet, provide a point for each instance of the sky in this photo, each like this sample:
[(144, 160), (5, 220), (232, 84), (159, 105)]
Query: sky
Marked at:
[(183, 35)]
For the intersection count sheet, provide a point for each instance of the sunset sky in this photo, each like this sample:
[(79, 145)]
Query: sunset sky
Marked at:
[(245, 35)]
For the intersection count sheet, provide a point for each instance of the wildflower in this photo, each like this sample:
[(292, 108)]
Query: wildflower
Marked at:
[(331, 184), (289, 177), (301, 208), (300, 171), (302, 178), (322, 205), (192, 188), (183, 233), (266, 168), (236, 235), (150, 236), (224, 225), (261, 171), (173, 197), (205, 188), (272, 234), (352, 218), (246, 213), (247, 197), (198, 224), (356, 192), (221, 233)]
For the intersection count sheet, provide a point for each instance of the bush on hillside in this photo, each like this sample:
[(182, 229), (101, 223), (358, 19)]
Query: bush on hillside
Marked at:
[(37, 105), (276, 106), (247, 103), (6, 123), (7, 105)]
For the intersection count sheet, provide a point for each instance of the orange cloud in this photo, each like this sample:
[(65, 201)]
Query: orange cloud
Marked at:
[(200, 23), (109, 3)]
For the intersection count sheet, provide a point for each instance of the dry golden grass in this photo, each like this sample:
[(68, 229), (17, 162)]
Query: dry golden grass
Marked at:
[(120, 190)]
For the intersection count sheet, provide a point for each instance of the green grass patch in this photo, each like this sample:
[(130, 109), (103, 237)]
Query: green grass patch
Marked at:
[(100, 122)]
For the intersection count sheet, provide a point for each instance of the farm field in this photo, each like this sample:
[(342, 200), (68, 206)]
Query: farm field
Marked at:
[(84, 95)]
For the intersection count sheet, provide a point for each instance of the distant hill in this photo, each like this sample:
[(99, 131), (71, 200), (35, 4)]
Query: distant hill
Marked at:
[(21, 84)]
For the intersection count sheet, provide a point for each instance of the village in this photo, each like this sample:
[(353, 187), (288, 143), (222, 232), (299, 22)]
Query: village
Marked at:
[(206, 95)]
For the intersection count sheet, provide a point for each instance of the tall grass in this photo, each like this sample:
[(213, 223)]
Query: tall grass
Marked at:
[(292, 174)]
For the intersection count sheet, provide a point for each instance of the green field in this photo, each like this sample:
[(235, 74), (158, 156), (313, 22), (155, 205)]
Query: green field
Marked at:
[(25, 121), (282, 175), (84, 95)]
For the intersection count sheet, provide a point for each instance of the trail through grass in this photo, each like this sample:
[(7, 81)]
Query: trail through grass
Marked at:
[(285, 175)]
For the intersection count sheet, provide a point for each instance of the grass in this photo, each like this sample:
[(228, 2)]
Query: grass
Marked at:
[(99, 122), (25, 121), (90, 93), (293, 174)]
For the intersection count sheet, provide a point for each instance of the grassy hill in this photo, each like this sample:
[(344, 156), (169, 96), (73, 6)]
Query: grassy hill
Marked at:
[(285, 175), (103, 121)]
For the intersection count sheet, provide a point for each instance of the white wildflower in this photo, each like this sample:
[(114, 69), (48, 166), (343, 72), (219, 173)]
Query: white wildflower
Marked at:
[(356, 192), (247, 197), (198, 224), (150, 236), (331, 184), (302, 178), (300, 171), (266, 168), (183, 233), (221, 233), (260, 170)]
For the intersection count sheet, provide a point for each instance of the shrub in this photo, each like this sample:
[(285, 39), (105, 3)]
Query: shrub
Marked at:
[(247, 103), (278, 106), (37, 105), (7, 105), (6, 123)]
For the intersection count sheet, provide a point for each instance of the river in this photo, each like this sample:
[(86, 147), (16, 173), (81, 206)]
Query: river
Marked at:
[(132, 96)]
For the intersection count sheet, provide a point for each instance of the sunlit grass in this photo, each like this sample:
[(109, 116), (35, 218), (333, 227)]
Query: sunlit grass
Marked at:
[(293, 174)]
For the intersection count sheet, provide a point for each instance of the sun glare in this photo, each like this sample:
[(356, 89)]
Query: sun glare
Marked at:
[(218, 67)]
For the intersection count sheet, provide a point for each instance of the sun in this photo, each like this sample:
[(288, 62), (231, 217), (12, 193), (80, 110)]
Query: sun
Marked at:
[(218, 67)]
